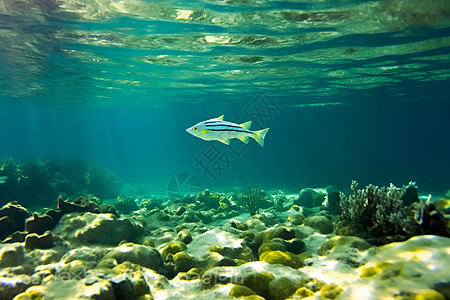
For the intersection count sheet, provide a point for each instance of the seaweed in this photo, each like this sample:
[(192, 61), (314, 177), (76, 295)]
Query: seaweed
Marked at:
[(252, 198), (377, 214)]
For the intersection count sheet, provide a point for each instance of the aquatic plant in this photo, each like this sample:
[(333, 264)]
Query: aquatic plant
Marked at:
[(100, 181), (377, 214), (252, 199), (40, 182)]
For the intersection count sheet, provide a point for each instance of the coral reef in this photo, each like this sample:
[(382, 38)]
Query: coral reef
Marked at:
[(377, 215), (206, 248), (40, 182)]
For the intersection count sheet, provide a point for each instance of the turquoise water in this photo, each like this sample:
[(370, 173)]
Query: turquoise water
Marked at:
[(105, 195), (350, 89)]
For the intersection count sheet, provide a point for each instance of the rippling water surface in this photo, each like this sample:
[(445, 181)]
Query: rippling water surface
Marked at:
[(301, 52)]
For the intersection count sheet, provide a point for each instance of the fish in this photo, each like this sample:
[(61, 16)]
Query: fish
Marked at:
[(219, 130)]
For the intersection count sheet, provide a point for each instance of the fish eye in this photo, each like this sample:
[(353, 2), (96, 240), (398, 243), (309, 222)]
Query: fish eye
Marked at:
[(195, 128)]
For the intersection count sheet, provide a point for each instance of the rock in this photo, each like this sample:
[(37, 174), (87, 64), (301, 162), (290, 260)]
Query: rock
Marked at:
[(259, 282), (417, 265), (101, 289), (330, 291), (303, 292), (296, 219), (90, 255), (15, 218), (137, 254), (183, 262), (44, 241), (321, 223), (345, 249), (10, 287), (210, 200), (344, 242), (150, 203), (221, 275), (16, 237), (281, 232), (4, 223), (240, 291), (108, 209), (123, 287), (180, 210), (39, 225), (282, 288), (310, 198), (103, 229), (295, 246), (67, 207), (126, 205), (56, 215), (11, 255), (172, 248), (282, 258), (333, 200), (184, 236)]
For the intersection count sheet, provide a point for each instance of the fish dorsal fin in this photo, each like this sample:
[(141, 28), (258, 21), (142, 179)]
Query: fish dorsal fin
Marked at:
[(246, 125), (220, 118), (226, 142), (244, 139)]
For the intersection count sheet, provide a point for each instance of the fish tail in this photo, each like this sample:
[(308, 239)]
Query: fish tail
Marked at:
[(259, 136)]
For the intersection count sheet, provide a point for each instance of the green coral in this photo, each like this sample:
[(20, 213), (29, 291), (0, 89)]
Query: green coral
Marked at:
[(377, 214)]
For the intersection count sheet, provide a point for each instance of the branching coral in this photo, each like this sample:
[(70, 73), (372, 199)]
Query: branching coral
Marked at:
[(377, 214)]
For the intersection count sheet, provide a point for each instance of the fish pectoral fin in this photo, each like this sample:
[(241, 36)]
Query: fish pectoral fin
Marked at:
[(220, 118), (205, 131), (246, 125), (226, 142), (244, 139)]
